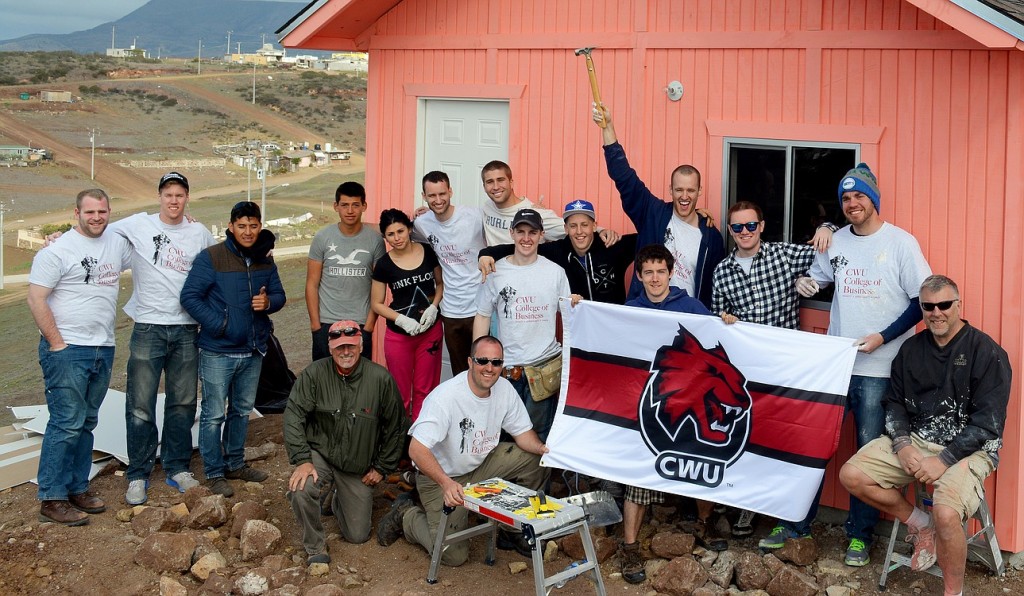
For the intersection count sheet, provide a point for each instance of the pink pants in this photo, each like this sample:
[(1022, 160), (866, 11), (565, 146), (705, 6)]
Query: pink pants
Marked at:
[(415, 363)]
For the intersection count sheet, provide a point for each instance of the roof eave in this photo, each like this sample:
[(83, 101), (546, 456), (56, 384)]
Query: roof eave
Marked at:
[(334, 24), (977, 21)]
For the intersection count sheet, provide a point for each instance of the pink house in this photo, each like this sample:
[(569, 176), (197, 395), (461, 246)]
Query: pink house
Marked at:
[(772, 99)]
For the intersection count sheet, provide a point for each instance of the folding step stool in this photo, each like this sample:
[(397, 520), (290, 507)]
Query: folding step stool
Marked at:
[(502, 502), (982, 546)]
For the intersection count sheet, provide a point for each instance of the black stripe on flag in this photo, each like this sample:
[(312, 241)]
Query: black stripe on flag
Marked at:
[(610, 359), (596, 416), (786, 456), (818, 397)]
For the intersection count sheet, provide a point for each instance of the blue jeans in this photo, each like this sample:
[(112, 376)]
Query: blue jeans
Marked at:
[(228, 384), (542, 413), (170, 349), (76, 380), (864, 400)]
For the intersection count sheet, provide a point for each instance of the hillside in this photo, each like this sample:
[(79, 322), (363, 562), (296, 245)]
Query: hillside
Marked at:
[(173, 28)]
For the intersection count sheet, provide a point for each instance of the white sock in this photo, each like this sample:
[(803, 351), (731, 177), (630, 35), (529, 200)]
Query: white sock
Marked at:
[(918, 519)]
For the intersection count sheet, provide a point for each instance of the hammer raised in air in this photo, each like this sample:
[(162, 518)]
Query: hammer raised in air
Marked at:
[(593, 83)]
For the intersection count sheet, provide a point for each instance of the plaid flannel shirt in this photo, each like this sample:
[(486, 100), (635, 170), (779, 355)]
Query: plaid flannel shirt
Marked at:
[(768, 295)]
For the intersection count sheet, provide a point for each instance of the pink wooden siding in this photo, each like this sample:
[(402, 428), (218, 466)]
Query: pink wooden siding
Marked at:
[(937, 114)]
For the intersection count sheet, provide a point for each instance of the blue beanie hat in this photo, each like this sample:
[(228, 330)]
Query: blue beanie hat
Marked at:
[(862, 180)]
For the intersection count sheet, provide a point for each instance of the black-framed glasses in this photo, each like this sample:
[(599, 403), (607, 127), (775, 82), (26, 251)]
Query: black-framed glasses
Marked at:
[(486, 361), (750, 225), (944, 305), (346, 332)]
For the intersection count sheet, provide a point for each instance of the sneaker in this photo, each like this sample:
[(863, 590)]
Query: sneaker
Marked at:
[(858, 553), (246, 473), (632, 563), (778, 537), (924, 548), (744, 525), (320, 558), (219, 486), (136, 493), (389, 528), (182, 481)]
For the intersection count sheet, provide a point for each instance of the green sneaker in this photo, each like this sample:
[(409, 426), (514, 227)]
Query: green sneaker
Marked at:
[(858, 553), (778, 537)]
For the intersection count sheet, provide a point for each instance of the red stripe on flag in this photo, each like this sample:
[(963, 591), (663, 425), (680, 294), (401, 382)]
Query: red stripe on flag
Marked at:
[(605, 388), (795, 426), (799, 427)]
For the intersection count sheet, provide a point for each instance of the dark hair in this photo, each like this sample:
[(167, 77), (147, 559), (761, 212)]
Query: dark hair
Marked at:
[(653, 252), (496, 165), (245, 209), (393, 216), (934, 283), (743, 206), (686, 170), (435, 177), (484, 339), (350, 189), (95, 193)]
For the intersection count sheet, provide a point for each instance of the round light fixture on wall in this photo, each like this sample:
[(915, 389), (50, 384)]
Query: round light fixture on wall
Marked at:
[(674, 90)]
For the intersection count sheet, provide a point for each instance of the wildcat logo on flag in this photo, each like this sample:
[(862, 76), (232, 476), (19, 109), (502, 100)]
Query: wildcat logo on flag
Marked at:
[(745, 415)]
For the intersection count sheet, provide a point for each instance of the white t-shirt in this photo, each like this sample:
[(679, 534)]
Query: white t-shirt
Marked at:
[(525, 301), (683, 241), (83, 274), (347, 272), (162, 256), (876, 276), (498, 221), (456, 242), (460, 429)]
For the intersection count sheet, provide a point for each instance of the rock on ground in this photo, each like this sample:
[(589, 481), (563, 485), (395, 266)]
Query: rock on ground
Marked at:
[(799, 551), (254, 582), (721, 572), (669, 545), (751, 572), (259, 539), (155, 519), (790, 582), (680, 577), (207, 563), (209, 512), (243, 512), (169, 587), (164, 551)]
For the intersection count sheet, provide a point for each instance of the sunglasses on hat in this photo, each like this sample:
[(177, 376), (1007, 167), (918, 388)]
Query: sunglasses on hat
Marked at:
[(346, 332)]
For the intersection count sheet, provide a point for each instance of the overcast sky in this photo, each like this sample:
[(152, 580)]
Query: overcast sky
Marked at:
[(23, 17)]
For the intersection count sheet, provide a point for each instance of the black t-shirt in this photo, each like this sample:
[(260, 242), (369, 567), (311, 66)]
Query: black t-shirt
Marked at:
[(412, 290)]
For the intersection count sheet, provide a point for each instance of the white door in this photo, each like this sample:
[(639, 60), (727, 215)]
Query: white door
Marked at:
[(459, 137)]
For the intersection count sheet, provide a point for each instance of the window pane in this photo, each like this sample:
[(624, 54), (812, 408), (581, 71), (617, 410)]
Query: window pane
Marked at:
[(816, 175), (758, 175)]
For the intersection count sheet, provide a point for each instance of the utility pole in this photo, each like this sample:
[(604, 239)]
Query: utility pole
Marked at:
[(239, 51), (92, 154), (248, 184), (263, 200), (229, 43), (199, 60), (253, 82), (3, 209)]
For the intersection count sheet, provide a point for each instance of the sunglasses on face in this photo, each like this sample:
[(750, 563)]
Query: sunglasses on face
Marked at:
[(347, 332), (944, 305), (486, 361), (750, 225)]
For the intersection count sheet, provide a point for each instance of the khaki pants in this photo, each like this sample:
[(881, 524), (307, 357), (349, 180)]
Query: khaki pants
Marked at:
[(507, 462), (352, 503)]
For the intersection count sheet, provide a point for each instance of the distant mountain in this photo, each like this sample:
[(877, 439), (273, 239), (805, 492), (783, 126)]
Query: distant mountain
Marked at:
[(174, 28)]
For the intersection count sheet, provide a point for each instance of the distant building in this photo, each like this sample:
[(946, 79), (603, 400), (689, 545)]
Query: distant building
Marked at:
[(61, 96), (270, 53), (132, 52), (14, 152)]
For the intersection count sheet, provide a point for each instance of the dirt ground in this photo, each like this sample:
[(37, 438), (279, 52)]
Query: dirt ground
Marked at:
[(40, 558)]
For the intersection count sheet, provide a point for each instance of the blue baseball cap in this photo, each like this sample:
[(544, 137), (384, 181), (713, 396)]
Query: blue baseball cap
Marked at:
[(579, 206)]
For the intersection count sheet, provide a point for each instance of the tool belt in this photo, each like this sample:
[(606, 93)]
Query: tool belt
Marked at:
[(545, 379)]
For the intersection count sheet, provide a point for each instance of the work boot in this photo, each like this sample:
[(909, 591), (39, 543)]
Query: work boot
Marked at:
[(390, 527), (246, 473), (707, 536), (632, 563), (514, 541), (220, 486), (61, 512), (87, 502)]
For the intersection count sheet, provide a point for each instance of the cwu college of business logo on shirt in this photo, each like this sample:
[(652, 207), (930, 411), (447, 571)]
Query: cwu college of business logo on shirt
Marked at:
[(694, 412)]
